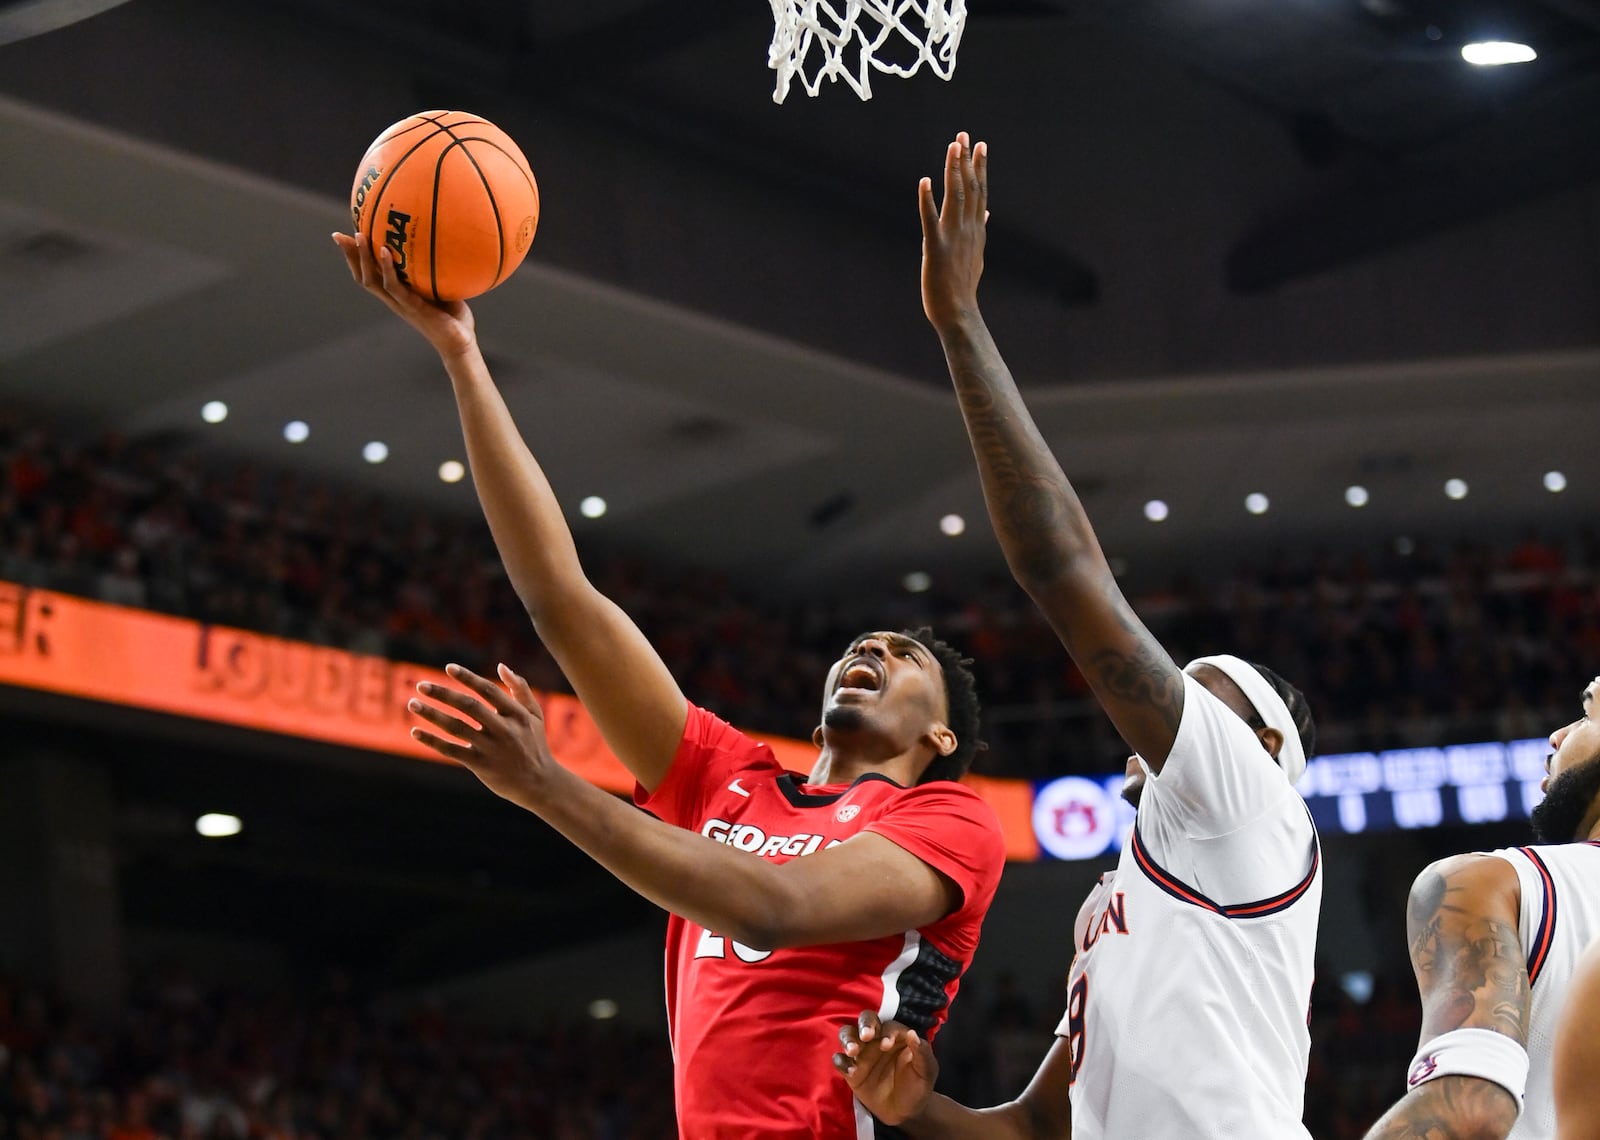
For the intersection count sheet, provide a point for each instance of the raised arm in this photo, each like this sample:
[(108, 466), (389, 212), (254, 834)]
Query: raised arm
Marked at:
[(1471, 974), (892, 1071), (615, 672), (1042, 527), (866, 887)]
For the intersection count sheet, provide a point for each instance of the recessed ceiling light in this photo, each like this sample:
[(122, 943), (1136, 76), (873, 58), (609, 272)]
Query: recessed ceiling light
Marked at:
[(452, 470), (1155, 510), (953, 525), (214, 411), (1455, 488), (375, 452), (1256, 503), (917, 582), (1404, 547), (218, 825), (1356, 495), (1497, 53), (592, 507), (603, 1009), (297, 431), (1555, 482)]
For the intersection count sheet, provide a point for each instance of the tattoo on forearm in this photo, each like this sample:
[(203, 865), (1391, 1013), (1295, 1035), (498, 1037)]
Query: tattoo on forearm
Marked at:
[(1450, 1108), (1036, 515), (1466, 964), (1145, 676)]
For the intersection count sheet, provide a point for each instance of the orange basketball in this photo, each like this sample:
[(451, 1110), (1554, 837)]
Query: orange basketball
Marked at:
[(452, 197)]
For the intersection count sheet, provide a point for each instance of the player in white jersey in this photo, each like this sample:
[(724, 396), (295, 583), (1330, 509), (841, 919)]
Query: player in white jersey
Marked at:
[(1495, 940), (1192, 963)]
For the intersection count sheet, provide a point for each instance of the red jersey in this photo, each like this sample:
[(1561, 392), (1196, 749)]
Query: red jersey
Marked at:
[(753, 1030)]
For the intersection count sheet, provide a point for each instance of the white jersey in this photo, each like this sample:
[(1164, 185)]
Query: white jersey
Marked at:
[(1190, 987), (1560, 916)]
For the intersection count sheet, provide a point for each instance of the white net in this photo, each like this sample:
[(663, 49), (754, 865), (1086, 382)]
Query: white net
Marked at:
[(817, 40)]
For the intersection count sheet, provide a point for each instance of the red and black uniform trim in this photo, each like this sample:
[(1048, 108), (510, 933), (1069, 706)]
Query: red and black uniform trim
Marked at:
[(1181, 891), (1545, 936)]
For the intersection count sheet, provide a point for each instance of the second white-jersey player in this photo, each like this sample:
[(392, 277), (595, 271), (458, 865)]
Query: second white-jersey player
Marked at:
[(1496, 938)]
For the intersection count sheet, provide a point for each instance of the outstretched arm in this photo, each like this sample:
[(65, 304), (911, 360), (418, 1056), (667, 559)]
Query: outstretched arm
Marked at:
[(1042, 527), (1471, 974), (866, 887), (615, 672), (892, 1071)]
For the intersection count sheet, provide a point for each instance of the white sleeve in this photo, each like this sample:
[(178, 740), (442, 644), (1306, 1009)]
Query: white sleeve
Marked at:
[(1221, 814)]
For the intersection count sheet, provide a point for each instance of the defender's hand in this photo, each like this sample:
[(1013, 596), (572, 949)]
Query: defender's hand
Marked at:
[(953, 235)]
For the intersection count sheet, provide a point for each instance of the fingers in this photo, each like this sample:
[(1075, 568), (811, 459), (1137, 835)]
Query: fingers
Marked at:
[(952, 177), (497, 697), (521, 691), (980, 161), (867, 1025), (846, 1066), (457, 727), (929, 211), (460, 753)]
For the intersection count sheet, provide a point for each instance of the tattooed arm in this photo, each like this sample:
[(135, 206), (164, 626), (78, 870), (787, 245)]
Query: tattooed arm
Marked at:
[(1471, 974), (1042, 527)]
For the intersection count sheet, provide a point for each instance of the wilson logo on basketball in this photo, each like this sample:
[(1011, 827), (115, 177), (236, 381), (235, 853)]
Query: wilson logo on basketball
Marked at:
[(368, 180), (847, 813)]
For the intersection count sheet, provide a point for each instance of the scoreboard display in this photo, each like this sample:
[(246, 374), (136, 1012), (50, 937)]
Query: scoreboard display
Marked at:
[(1081, 817)]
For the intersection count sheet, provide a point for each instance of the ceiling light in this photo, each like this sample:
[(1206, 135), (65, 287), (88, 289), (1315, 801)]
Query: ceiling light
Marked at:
[(1555, 482), (1256, 503), (1455, 488), (1356, 495), (592, 507), (917, 582), (218, 825), (214, 411), (603, 1009), (1155, 510), (1404, 547), (452, 471), (375, 452), (1497, 53), (952, 525), (297, 431)]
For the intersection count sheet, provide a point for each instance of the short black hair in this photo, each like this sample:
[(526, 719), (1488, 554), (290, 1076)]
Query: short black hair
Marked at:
[(961, 696), (1299, 708)]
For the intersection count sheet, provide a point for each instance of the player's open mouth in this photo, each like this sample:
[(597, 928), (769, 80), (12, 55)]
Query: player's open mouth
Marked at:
[(862, 673)]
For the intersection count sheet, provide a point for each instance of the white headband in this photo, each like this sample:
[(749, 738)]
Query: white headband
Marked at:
[(1260, 693)]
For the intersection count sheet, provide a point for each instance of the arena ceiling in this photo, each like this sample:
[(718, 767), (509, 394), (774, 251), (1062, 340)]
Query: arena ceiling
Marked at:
[(1274, 246)]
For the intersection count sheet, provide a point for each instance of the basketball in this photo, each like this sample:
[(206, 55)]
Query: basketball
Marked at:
[(452, 197)]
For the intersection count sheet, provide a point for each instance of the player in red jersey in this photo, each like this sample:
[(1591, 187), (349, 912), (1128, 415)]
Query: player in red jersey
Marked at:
[(796, 900)]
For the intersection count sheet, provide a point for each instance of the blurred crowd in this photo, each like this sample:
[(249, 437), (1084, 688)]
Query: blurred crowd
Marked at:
[(187, 1064), (182, 1063), (1409, 645)]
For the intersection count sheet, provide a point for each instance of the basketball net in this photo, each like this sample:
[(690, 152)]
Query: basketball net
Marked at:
[(845, 37)]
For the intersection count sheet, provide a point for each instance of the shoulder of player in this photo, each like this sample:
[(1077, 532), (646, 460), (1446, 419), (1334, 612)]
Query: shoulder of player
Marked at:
[(941, 795), (1477, 882)]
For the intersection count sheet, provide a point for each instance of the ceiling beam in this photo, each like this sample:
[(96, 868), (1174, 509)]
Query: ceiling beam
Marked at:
[(22, 19), (1551, 143)]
